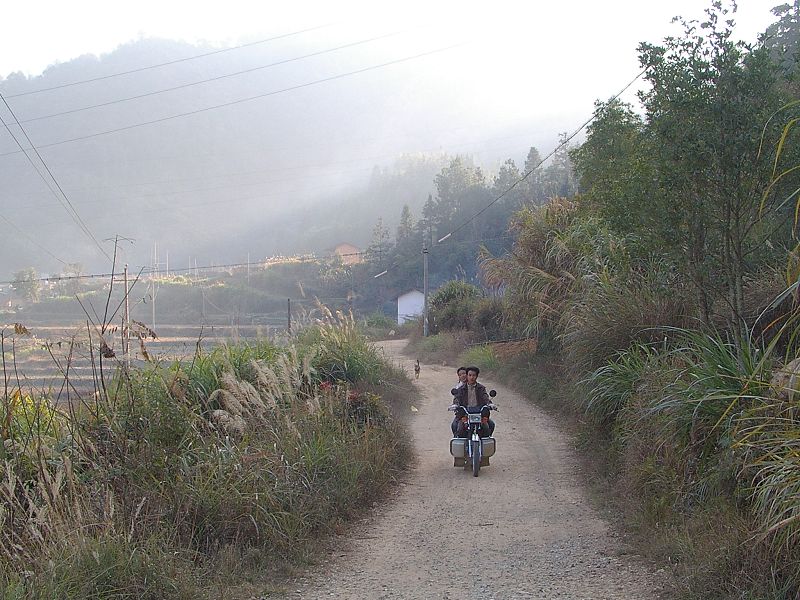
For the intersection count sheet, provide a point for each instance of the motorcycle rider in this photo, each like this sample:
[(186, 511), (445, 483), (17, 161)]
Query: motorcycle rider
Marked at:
[(462, 377), (474, 398)]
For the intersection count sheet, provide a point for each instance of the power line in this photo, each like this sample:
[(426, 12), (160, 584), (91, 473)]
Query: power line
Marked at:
[(210, 79), (275, 261), (154, 271), (250, 98), (71, 210), (529, 172), (164, 64)]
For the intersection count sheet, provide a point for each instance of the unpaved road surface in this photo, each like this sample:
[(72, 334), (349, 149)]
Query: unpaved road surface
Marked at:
[(523, 529)]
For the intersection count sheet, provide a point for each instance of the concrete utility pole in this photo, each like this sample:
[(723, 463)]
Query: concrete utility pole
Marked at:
[(425, 288), (126, 326)]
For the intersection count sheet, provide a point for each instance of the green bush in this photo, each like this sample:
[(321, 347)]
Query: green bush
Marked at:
[(453, 305), (487, 319), (482, 357), (380, 320), (610, 387)]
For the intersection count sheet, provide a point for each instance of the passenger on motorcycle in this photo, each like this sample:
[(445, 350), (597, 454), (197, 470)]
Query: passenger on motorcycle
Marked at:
[(474, 398), (462, 377)]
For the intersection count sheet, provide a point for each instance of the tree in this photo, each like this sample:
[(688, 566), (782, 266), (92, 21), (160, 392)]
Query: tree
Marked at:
[(378, 250), (26, 282), (559, 179), (452, 183), (618, 178), (533, 188), (406, 228), (782, 38), (707, 107), (507, 176), (71, 285)]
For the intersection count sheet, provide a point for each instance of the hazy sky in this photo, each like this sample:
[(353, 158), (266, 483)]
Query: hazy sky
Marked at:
[(552, 58), (37, 33), (495, 77)]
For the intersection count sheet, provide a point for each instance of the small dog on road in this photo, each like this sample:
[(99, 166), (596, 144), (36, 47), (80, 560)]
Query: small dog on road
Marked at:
[(416, 370)]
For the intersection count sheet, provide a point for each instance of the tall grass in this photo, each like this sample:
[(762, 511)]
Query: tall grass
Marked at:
[(618, 311), (701, 424), (611, 387), (248, 447)]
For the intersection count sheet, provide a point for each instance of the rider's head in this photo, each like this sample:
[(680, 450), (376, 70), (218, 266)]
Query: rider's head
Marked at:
[(472, 374), (462, 373)]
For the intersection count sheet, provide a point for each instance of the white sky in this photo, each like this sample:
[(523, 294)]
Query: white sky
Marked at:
[(527, 71), (523, 62), (37, 33)]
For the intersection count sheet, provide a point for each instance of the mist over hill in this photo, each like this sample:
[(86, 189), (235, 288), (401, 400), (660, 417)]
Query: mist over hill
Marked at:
[(294, 171)]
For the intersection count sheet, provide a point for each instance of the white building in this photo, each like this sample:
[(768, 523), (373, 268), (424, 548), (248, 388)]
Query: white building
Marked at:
[(410, 306)]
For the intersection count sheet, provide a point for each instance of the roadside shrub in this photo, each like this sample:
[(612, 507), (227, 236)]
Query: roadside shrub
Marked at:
[(481, 356), (340, 352), (559, 251), (487, 319), (453, 305), (617, 312), (25, 416), (720, 380), (380, 320), (770, 439)]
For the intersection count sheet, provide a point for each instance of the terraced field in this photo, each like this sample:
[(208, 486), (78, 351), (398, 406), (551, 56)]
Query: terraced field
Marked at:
[(46, 357)]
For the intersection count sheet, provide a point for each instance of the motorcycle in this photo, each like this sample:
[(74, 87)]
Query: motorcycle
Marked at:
[(475, 447)]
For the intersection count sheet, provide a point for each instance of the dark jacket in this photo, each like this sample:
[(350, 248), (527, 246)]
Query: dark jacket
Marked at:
[(480, 394)]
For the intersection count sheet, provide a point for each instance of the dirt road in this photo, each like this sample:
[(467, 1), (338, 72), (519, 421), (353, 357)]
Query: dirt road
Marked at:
[(538, 536)]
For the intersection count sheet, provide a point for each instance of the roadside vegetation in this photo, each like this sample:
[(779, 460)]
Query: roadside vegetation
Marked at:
[(656, 310), (186, 479)]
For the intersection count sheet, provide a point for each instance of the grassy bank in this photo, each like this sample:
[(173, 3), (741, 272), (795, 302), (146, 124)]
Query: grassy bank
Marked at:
[(690, 448), (184, 480)]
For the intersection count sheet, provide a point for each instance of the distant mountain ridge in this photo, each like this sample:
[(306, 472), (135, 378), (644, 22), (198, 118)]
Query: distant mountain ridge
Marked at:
[(290, 172)]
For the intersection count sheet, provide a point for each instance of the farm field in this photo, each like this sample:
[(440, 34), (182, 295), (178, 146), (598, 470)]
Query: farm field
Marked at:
[(41, 360)]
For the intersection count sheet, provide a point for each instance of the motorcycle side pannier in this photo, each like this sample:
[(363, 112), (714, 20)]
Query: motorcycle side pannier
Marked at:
[(457, 447), (488, 446)]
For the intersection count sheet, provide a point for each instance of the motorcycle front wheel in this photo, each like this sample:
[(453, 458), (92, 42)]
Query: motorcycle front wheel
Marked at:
[(476, 457)]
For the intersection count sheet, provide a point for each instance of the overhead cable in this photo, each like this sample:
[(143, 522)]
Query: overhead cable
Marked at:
[(164, 64), (248, 99), (537, 165), (68, 206), (210, 79)]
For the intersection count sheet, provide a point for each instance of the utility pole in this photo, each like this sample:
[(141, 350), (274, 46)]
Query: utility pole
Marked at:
[(153, 279), (126, 326), (153, 303), (425, 288), (289, 315)]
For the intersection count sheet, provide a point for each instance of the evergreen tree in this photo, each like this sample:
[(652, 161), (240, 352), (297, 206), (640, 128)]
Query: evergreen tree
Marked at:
[(406, 228)]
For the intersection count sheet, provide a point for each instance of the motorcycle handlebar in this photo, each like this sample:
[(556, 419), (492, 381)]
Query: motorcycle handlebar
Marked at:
[(455, 407)]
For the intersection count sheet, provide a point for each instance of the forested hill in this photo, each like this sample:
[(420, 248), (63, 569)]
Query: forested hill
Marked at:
[(220, 182)]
